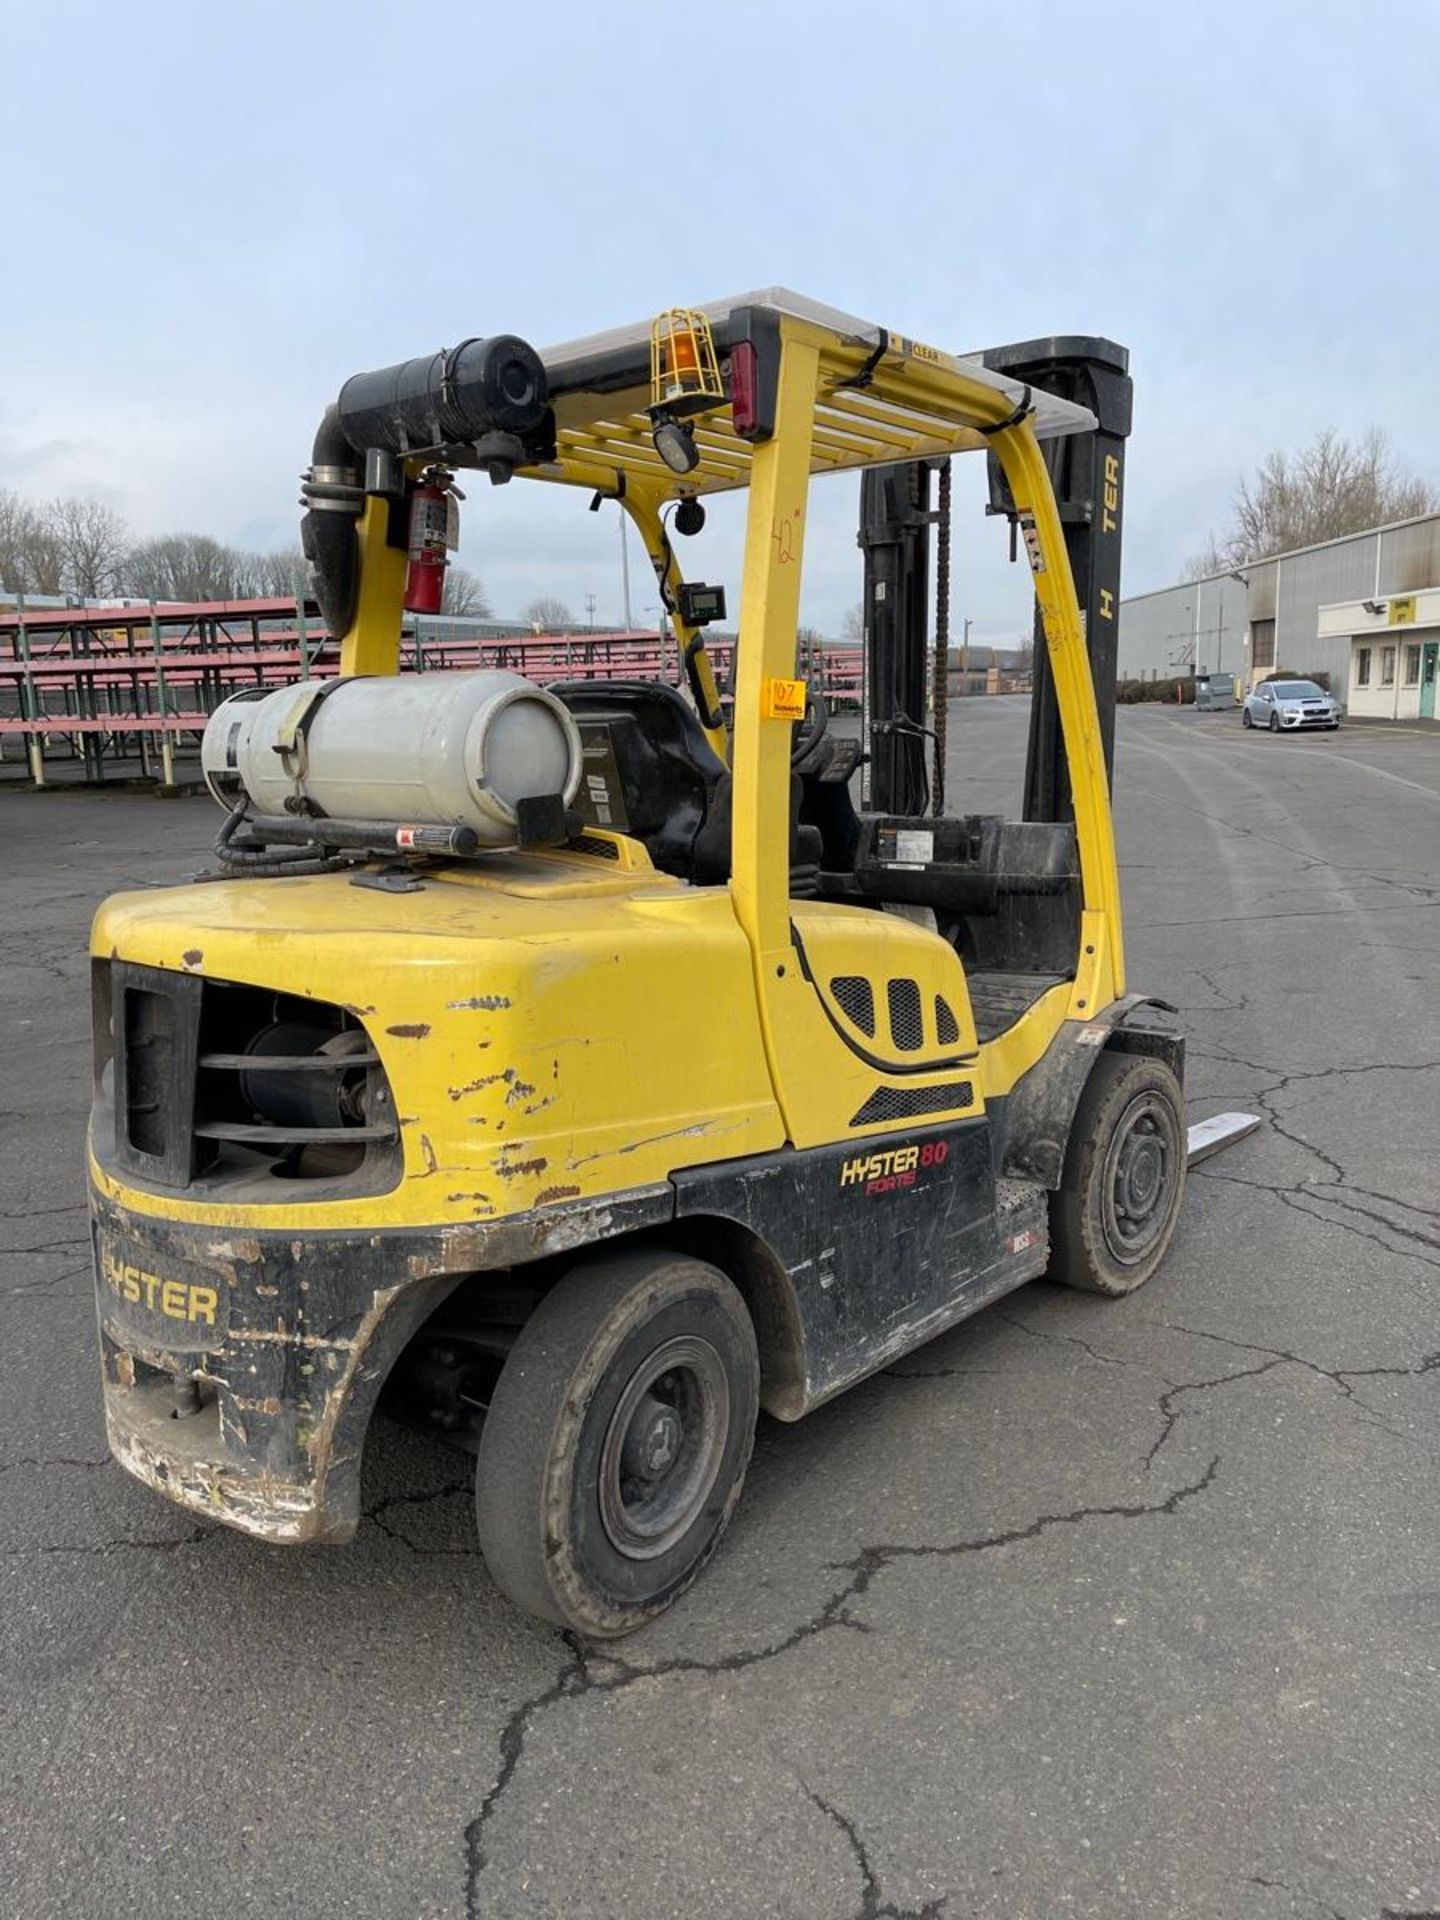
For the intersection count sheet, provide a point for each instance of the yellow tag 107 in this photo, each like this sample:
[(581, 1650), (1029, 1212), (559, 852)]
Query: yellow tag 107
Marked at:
[(783, 700)]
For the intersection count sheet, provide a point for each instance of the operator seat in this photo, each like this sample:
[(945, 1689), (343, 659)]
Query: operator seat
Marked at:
[(650, 772)]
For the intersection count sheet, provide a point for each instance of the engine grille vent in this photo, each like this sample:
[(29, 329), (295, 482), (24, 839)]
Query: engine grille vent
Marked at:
[(856, 1000), (593, 844), (907, 1023), (905, 1103), (947, 1027)]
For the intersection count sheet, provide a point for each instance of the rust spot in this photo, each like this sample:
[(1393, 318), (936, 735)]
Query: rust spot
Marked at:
[(510, 1169), (547, 1194), (485, 1080), (417, 1032), (476, 1194), (358, 1012), (519, 1089), (432, 1165), (191, 957), (481, 1003)]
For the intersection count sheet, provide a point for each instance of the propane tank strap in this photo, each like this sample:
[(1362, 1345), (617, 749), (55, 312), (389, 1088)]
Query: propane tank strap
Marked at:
[(1024, 407), (295, 731)]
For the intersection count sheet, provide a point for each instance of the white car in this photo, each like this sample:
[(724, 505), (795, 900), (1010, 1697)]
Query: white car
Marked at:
[(1282, 705)]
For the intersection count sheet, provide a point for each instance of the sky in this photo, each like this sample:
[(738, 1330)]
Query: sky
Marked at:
[(214, 212)]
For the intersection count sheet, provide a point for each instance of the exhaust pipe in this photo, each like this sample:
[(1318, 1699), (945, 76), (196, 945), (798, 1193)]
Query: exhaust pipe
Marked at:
[(484, 404)]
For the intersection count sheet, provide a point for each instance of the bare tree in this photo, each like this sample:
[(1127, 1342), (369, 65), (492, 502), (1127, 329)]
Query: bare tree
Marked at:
[(32, 559), (15, 516), (548, 615), (852, 627), (1332, 487), (277, 575), (465, 594), (182, 566), (94, 542)]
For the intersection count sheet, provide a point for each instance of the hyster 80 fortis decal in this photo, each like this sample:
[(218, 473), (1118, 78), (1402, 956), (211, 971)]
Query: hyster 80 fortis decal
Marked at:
[(894, 1168)]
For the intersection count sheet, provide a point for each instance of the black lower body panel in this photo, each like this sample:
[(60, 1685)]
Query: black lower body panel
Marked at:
[(884, 1243)]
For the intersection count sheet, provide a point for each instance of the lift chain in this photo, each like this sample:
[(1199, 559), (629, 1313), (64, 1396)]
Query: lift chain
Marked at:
[(942, 640)]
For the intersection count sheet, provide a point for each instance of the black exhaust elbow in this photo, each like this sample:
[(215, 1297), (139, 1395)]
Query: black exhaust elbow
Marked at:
[(334, 498)]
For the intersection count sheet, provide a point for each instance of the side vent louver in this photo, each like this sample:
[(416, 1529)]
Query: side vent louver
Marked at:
[(856, 1000), (908, 1103), (907, 1025)]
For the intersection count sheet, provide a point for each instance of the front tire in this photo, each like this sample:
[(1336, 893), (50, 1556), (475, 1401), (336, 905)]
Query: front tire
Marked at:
[(1245, 719), (1274, 723), (1114, 1215), (617, 1439)]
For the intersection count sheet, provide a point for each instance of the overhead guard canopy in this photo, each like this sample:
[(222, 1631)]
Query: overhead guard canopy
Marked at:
[(883, 397)]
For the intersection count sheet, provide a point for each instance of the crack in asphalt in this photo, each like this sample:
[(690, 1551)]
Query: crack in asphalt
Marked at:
[(1308, 1199), (48, 1246), (103, 1547), (577, 1679), (1338, 1377), (1064, 1340), (423, 1499), (44, 1288), (871, 1906), (937, 1373), (52, 1460), (1170, 1413), (1283, 1886)]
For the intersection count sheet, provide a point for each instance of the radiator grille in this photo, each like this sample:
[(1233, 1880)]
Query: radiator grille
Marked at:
[(906, 1103), (207, 1073)]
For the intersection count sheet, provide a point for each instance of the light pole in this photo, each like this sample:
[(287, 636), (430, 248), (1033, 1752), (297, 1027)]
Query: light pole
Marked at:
[(1220, 617), (624, 564), (661, 635)]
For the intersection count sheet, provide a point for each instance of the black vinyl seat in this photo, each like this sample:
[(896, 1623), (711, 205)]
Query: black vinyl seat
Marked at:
[(650, 768)]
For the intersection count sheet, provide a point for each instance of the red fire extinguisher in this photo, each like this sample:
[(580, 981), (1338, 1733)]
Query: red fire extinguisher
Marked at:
[(428, 546)]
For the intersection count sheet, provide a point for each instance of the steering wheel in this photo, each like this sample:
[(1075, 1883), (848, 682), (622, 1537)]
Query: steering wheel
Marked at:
[(809, 732)]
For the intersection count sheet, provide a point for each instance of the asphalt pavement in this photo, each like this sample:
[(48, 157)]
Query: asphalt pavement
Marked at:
[(1109, 1609)]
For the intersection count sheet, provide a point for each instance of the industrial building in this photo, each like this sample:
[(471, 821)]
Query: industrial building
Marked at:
[(1363, 610)]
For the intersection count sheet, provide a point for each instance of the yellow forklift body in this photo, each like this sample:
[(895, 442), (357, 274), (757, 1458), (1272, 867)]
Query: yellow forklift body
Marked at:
[(575, 1043)]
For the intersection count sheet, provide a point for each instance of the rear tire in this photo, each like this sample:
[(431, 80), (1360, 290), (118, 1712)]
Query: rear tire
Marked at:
[(617, 1440), (1114, 1214)]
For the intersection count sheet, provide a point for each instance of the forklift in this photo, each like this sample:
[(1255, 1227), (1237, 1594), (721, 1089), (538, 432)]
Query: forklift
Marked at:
[(579, 1068)]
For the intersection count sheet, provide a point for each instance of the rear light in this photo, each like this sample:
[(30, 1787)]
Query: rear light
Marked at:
[(745, 389)]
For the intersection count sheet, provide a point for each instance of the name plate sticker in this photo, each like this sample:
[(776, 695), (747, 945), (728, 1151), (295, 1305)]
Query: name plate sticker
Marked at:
[(164, 1301)]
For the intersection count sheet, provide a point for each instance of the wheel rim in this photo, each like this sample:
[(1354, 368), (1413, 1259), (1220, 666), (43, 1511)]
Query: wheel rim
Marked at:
[(663, 1447), (1141, 1166)]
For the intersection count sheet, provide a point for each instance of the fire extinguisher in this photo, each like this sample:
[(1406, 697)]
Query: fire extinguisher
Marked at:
[(428, 545)]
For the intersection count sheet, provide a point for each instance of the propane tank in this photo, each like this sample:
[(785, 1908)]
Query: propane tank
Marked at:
[(435, 749), (428, 545)]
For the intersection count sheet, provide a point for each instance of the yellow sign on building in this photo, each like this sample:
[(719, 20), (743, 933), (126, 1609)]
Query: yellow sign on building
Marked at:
[(1402, 610)]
